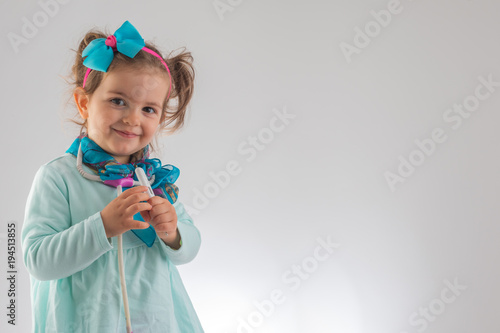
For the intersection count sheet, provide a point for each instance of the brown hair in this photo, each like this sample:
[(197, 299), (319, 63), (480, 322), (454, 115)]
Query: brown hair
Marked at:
[(181, 70)]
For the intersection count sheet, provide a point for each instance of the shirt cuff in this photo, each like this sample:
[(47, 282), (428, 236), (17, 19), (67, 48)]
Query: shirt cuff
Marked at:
[(100, 232), (189, 248)]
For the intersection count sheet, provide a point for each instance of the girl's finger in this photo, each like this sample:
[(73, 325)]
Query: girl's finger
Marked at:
[(135, 194), (158, 210), (145, 215), (133, 190), (162, 227), (135, 198), (137, 225), (156, 200), (136, 208)]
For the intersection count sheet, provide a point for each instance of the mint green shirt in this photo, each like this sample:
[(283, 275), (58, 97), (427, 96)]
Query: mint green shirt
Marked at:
[(73, 266)]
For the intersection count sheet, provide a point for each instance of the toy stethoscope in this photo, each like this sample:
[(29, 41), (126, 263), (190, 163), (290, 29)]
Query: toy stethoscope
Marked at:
[(142, 180)]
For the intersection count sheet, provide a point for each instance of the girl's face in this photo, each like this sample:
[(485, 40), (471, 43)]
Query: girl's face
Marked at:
[(124, 112)]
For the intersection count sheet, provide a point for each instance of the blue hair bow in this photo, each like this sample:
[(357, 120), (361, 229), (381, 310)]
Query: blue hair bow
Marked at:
[(100, 51)]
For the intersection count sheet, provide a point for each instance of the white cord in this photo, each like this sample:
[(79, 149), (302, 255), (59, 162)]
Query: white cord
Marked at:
[(80, 169), (122, 275)]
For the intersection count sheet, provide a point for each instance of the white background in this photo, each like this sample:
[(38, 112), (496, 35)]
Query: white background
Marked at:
[(322, 176)]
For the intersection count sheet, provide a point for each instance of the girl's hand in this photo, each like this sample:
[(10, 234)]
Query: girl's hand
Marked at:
[(163, 218), (117, 216)]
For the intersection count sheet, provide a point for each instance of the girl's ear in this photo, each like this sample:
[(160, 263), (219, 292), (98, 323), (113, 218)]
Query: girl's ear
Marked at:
[(81, 101)]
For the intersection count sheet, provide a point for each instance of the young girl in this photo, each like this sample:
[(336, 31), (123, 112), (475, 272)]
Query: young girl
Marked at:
[(77, 220)]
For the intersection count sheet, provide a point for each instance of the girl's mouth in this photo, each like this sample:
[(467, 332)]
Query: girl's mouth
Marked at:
[(126, 134)]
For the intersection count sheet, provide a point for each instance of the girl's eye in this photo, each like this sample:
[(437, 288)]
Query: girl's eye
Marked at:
[(118, 101), (149, 110)]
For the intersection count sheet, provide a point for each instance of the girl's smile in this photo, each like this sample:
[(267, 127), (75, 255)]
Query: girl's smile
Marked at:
[(126, 134)]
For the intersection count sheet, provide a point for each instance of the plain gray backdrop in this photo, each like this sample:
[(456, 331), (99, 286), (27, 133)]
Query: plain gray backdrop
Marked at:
[(384, 147)]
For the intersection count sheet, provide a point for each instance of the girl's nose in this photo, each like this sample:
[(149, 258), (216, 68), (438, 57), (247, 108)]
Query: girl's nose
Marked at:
[(132, 117)]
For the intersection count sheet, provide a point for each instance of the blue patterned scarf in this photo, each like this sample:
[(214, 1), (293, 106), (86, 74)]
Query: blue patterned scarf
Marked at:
[(110, 170)]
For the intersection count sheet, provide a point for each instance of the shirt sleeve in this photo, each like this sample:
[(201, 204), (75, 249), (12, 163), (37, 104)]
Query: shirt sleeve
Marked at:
[(190, 238), (53, 245)]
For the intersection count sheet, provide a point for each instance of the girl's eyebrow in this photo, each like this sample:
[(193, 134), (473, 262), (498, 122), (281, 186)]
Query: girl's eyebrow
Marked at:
[(126, 96)]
